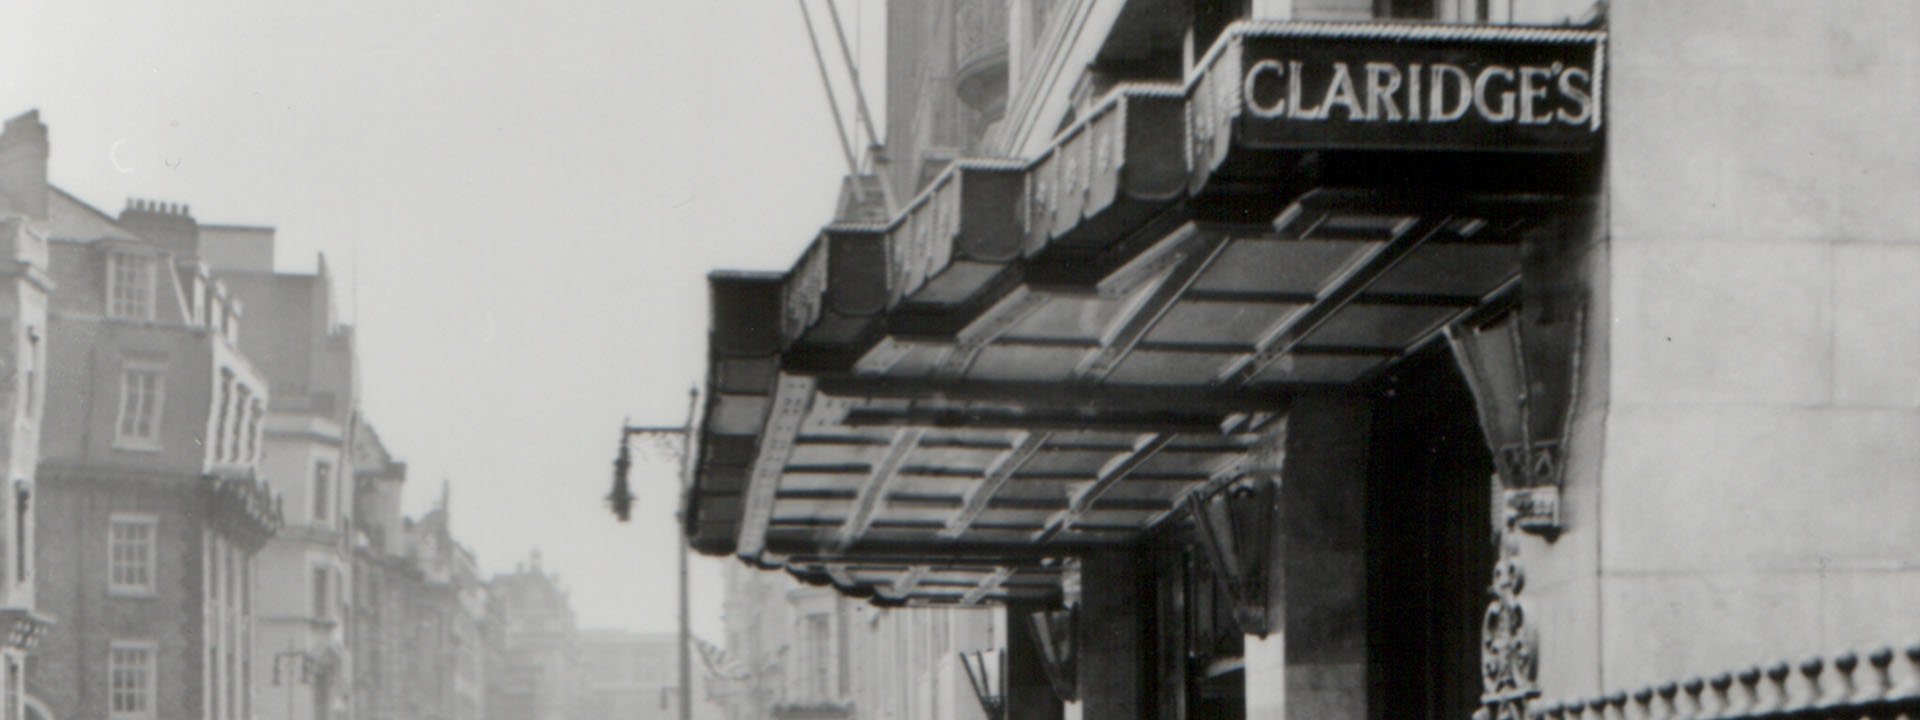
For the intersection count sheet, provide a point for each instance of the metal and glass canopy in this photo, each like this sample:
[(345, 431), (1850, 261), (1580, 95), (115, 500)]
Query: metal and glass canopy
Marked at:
[(1046, 355)]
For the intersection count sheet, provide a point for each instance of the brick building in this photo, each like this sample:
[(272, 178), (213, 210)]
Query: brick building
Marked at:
[(216, 495), (153, 507)]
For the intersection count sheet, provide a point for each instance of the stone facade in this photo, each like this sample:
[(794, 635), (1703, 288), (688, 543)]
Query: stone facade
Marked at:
[(539, 677), (24, 286), (294, 335), (1670, 443), (636, 675), (1737, 488)]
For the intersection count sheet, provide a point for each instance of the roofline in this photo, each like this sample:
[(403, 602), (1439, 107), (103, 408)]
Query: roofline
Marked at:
[(84, 204)]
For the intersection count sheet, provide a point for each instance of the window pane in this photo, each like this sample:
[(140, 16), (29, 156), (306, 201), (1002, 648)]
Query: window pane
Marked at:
[(131, 554), (322, 490), (320, 593), (130, 680), (139, 404), (132, 293)]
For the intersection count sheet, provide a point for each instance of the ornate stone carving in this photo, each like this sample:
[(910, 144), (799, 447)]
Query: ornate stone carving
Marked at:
[(1509, 647), (22, 629)]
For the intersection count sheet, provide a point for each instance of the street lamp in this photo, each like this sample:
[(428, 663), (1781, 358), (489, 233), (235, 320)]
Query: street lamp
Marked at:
[(620, 500)]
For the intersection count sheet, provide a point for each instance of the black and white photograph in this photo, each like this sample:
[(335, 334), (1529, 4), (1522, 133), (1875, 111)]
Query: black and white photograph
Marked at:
[(959, 360)]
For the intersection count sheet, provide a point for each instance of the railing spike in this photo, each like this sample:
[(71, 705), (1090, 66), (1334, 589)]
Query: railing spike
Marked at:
[(1667, 693), (1882, 662), (1846, 690), (1643, 702), (1911, 686), (1811, 670), (1750, 682), (1777, 676), (1723, 701), (1696, 707)]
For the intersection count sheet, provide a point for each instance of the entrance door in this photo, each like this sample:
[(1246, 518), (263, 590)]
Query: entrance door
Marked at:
[(1430, 549)]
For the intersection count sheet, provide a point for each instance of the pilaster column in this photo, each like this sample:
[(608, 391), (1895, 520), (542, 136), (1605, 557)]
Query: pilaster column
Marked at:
[(1109, 636), (1029, 695), (1315, 664)]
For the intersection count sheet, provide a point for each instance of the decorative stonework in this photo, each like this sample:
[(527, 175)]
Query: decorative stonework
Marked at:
[(23, 628), (1879, 683), (1509, 647)]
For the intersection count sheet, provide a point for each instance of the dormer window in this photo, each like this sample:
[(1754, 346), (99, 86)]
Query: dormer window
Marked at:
[(130, 286)]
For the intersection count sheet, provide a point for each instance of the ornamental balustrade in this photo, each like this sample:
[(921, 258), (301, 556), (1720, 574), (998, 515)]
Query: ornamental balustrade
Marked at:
[(1881, 685)]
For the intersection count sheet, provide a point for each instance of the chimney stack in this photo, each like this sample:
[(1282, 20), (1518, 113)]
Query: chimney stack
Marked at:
[(23, 165), (170, 225)]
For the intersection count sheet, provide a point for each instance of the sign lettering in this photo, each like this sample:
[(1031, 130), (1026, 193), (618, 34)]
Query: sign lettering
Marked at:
[(1446, 93)]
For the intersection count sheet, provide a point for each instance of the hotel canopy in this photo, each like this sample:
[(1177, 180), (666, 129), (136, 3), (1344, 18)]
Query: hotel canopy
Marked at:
[(1042, 356)]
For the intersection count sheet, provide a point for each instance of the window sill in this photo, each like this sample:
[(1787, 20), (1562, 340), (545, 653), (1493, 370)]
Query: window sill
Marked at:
[(135, 446), (132, 593)]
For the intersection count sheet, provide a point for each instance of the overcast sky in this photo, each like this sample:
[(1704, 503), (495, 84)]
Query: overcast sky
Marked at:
[(520, 205)]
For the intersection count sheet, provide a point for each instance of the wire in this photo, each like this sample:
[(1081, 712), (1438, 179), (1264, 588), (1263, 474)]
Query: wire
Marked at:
[(839, 123)]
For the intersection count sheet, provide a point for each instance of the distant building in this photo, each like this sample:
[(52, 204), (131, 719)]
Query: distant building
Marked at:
[(447, 650), (635, 676), (151, 507), (797, 652), (383, 578), (295, 338), (24, 284), (421, 630), (538, 678)]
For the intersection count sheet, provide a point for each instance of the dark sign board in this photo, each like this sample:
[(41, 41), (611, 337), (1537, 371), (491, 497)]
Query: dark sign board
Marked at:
[(1416, 87)]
